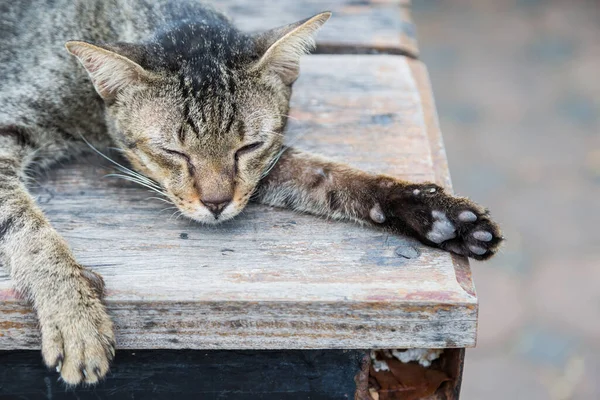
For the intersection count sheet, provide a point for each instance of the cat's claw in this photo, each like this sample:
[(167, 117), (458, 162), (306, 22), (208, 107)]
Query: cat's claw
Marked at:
[(78, 340), (79, 352)]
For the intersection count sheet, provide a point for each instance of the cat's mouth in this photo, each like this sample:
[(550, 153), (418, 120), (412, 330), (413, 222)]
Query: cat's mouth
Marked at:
[(206, 215), (208, 207), (210, 212)]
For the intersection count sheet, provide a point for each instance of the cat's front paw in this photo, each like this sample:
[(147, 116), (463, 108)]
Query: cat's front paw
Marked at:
[(77, 337), (455, 224), (464, 230)]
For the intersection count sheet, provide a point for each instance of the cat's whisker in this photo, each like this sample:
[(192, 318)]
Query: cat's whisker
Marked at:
[(287, 116), (165, 209), (274, 162), (129, 178), (132, 179), (101, 153), (255, 194), (258, 119), (139, 176), (295, 138), (175, 213), (253, 114), (119, 166), (265, 114), (274, 133), (161, 199)]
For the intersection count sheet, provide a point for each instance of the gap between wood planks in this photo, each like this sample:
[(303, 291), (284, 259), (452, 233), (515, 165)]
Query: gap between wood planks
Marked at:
[(332, 48)]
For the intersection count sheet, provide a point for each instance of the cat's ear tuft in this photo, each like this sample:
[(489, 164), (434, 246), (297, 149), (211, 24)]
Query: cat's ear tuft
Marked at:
[(110, 72), (281, 48)]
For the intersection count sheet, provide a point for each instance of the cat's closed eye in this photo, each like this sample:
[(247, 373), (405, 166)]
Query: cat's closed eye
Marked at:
[(247, 149), (181, 134), (177, 153), (183, 156)]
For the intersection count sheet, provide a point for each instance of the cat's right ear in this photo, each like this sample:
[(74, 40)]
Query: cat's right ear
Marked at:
[(282, 47), (110, 72)]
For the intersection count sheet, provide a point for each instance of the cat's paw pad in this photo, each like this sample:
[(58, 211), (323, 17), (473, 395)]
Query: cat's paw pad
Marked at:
[(442, 229), (376, 214), (467, 216), (477, 236), (426, 211), (425, 190)]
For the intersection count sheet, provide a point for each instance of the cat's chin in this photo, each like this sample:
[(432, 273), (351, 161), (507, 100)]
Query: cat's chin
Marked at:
[(213, 221), (206, 217)]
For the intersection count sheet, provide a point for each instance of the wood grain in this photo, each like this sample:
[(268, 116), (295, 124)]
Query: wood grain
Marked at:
[(273, 279), (360, 26)]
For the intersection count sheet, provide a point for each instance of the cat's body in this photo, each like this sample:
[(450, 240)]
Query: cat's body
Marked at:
[(198, 109)]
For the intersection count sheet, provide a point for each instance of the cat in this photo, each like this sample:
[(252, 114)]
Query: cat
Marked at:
[(198, 109)]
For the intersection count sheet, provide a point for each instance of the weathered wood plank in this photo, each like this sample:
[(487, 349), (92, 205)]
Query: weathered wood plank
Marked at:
[(193, 375), (273, 279), (356, 26), (452, 362)]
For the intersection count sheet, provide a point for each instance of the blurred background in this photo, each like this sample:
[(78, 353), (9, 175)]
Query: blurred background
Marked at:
[(517, 86)]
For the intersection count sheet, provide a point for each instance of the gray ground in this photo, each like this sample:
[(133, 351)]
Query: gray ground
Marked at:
[(517, 85)]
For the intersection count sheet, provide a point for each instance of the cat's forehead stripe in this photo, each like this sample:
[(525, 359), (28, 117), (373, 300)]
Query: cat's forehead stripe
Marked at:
[(186, 106)]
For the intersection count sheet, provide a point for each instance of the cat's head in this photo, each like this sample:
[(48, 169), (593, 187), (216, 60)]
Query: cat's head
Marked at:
[(201, 110)]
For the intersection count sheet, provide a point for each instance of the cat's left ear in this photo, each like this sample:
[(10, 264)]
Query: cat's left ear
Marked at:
[(282, 47), (110, 72)]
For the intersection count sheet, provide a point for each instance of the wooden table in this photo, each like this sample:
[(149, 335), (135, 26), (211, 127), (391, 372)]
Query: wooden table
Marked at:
[(271, 279)]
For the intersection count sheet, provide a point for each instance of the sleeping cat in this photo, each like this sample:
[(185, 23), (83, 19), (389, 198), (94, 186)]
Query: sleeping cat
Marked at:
[(198, 109)]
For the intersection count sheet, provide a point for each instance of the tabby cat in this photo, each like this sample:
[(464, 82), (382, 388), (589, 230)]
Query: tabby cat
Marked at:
[(198, 108)]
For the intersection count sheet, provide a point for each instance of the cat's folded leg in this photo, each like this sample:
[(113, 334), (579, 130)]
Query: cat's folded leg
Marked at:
[(312, 184), (77, 334)]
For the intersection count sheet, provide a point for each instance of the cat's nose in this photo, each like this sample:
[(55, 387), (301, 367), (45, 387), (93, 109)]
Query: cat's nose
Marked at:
[(216, 205)]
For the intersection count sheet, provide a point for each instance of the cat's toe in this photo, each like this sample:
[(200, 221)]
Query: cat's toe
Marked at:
[(455, 247), (480, 236), (462, 247), (423, 190), (483, 236), (52, 347), (79, 344), (477, 250), (474, 234), (467, 216)]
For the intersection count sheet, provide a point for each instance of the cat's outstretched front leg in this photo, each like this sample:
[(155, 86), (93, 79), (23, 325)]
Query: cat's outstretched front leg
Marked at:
[(77, 334), (310, 183)]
